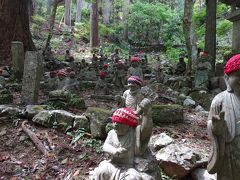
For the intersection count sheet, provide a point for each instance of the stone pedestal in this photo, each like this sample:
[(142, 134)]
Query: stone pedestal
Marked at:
[(31, 77), (17, 51), (235, 18)]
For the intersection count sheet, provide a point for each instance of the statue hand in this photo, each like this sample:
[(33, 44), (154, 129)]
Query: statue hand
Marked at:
[(119, 152), (217, 123)]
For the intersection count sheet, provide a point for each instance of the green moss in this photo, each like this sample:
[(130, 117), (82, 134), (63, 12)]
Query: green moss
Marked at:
[(167, 113)]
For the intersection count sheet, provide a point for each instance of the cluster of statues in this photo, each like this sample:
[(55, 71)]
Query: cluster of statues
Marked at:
[(130, 136)]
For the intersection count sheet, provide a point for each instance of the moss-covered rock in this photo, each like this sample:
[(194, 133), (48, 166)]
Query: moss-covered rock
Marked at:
[(77, 102), (81, 122), (172, 113), (98, 120)]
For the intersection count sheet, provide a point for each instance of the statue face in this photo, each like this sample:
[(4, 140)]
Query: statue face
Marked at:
[(121, 129), (133, 86), (234, 81)]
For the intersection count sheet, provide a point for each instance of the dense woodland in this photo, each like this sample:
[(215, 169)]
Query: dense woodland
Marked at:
[(64, 66)]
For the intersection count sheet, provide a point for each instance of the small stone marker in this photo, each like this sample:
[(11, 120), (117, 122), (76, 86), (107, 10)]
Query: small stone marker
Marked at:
[(17, 51), (31, 77)]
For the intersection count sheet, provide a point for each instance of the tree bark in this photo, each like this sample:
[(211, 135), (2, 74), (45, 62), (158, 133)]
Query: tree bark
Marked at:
[(14, 20), (49, 6), (107, 5), (79, 10), (67, 15), (94, 24), (210, 34), (125, 18), (189, 35)]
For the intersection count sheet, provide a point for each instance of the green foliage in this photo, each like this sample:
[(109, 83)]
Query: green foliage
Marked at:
[(174, 53), (223, 27), (60, 12), (145, 21), (82, 30), (105, 30), (38, 20), (95, 144)]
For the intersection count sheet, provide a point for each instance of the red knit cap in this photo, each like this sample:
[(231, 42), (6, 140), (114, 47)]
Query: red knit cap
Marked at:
[(105, 65), (135, 79), (61, 74), (102, 74), (232, 65), (125, 116), (135, 59), (53, 73)]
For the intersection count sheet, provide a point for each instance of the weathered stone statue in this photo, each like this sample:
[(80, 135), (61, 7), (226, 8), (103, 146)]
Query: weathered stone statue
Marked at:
[(202, 72), (102, 87), (61, 82), (51, 83), (71, 83), (119, 76), (90, 74), (132, 97), (68, 57), (181, 66), (224, 125), (120, 145), (135, 70)]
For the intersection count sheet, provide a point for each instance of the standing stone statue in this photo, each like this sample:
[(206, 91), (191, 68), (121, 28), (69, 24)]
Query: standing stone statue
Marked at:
[(61, 81), (224, 125), (181, 66), (119, 77), (102, 87), (120, 145), (132, 97), (202, 72), (135, 70)]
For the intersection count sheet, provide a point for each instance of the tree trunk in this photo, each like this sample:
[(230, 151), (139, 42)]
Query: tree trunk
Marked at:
[(79, 10), (49, 6), (107, 5), (14, 20), (210, 34), (188, 30), (67, 15), (125, 18), (51, 24), (94, 24)]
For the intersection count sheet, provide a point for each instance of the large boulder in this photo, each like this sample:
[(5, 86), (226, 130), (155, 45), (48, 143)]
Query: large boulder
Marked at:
[(10, 111), (178, 160), (203, 98), (59, 119), (62, 98), (159, 141), (32, 110), (172, 113), (99, 118), (81, 122)]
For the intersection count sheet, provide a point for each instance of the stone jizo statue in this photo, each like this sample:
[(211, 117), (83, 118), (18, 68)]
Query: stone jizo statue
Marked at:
[(224, 125), (120, 145)]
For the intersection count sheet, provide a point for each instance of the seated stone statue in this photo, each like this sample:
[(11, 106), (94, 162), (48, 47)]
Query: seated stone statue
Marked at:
[(202, 72), (135, 70), (71, 83), (61, 81), (68, 57), (224, 125), (119, 76), (120, 145), (51, 83), (181, 66), (102, 87)]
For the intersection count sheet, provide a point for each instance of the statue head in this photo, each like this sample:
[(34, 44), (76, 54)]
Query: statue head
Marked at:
[(134, 83), (135, 60), (232, 74), (61, 75), (102, 75), (123, 119)]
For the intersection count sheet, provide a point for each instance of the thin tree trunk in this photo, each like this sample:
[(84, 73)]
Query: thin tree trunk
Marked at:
[(125, 18), (67, 17), (14, 20), (51, 24), (188, 30), (210, 34), (94, 24), (79, 10), (107, 5), (49, 6)]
